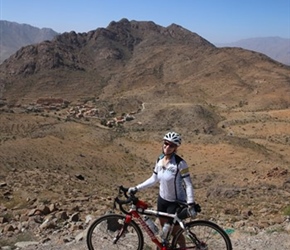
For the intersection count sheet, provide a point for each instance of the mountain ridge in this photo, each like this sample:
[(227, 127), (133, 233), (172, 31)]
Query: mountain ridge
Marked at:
[(276, 48), (139, 55)]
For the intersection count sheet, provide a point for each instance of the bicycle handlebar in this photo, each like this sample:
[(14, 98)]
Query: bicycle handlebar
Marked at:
[(131, 198)]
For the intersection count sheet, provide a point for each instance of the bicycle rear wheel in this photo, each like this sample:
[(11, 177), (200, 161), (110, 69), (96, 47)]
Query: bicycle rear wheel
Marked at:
[(204, 235), (102, 232)]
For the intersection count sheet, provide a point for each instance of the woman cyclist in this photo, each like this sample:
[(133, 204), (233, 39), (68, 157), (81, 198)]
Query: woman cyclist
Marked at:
[(172, 173)]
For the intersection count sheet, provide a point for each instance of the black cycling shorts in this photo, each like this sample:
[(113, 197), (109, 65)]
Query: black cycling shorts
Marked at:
[(166, 206)]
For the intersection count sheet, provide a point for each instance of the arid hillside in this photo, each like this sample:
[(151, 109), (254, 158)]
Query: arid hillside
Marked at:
[(87, 112)]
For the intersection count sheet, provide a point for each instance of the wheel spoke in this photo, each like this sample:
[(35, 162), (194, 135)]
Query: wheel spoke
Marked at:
[(203, 235), (103, 232)]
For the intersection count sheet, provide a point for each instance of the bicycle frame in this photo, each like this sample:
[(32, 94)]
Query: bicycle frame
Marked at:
[(133, 212)]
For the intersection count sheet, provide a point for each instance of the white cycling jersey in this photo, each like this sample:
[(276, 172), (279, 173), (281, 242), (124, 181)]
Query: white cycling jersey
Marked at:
[(175, 181)]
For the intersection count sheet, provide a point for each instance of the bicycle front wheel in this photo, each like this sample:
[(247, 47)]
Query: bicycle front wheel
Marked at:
[(103, 232), (202, 235)]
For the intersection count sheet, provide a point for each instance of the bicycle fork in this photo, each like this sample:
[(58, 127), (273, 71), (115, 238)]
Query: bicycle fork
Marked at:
[(123, 229), (200, 245)]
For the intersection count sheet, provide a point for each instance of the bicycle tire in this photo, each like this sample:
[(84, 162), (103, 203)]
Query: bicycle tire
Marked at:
[(208, 233), (102, 232)]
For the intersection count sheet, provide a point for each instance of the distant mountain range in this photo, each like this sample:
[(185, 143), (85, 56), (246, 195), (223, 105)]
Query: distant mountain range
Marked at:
[(14, 36), (275, 47)]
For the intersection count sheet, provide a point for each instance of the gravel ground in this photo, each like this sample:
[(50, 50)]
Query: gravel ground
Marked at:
[(261, 241)]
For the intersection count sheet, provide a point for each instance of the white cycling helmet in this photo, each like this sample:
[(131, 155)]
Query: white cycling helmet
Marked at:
[(173, 137)]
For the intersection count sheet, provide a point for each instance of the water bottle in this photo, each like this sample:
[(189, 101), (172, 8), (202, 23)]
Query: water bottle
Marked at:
[(165, 231), (151, 225)]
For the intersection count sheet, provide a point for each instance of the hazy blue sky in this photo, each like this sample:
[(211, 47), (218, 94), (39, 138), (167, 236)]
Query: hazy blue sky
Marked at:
[(215, 20)]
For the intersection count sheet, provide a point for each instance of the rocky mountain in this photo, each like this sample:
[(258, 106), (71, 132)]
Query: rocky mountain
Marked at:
[(129, 58), (275, 47), (14, 36), (86, 112)]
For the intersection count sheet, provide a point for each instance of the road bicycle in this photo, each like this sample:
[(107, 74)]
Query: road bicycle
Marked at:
[(123, 231)]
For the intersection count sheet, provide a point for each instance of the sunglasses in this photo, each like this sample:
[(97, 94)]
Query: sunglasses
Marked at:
[(171, 145)]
